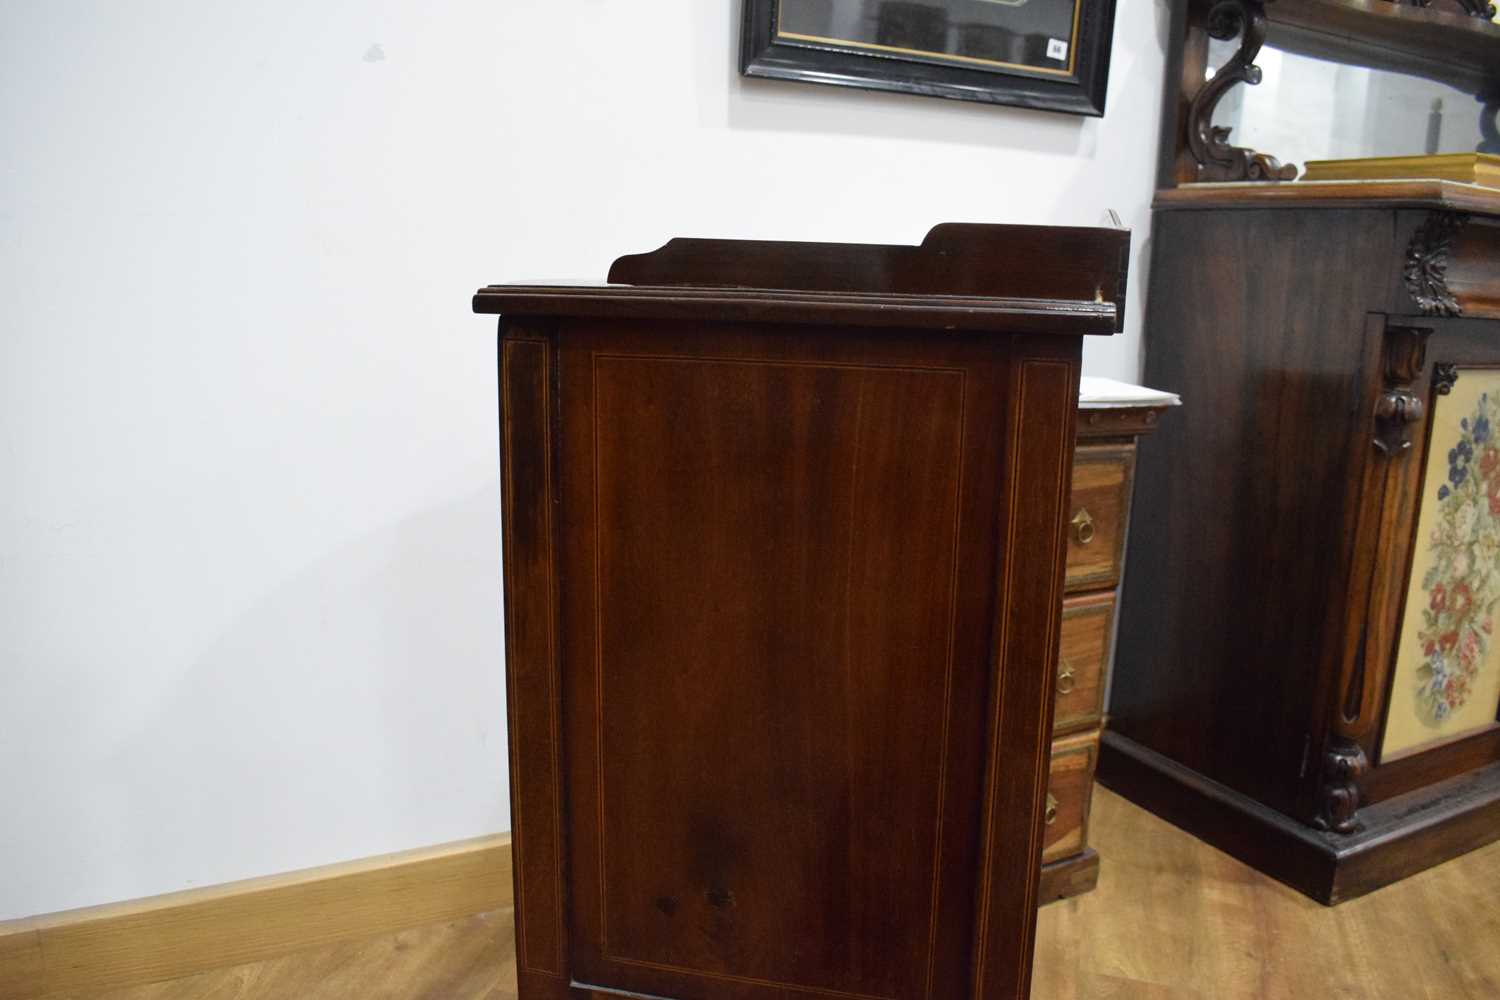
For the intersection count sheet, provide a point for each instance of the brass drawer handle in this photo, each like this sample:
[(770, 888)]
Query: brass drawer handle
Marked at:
[(1051, 813), (1083, 526), (1065, 681)]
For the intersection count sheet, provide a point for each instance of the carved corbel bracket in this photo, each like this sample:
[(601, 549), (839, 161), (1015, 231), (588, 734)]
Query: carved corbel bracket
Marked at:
[(1344, 763), (1395, 412), (1398, 407), (1217, 159), (1425, 273)]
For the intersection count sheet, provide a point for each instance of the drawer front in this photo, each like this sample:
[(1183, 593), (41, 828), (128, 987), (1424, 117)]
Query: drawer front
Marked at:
[(1096, 517), (1087, 624), (1069, 791)]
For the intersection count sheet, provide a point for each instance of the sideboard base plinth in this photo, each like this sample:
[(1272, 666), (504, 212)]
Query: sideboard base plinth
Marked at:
[(1398, 837)]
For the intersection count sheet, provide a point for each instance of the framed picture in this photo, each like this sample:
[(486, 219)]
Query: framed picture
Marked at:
[(1047, 54)]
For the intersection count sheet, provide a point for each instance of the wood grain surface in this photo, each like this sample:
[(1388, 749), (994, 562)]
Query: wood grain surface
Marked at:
[(784, 572), (745, 520), (185, 932), (1228, 651), (954, 260), (1097, 514), (1086, 627), (1247, 652), (1250, 195)]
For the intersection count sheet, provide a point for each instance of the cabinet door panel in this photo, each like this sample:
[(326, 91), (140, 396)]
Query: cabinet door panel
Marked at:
[(1446, 680), (770, 636)]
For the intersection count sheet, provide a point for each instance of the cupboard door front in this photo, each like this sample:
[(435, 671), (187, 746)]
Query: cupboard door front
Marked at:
[(1446, 680), (779, 562)]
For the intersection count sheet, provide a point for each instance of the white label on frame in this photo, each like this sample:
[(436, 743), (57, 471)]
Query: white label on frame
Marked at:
[(1057, 49)]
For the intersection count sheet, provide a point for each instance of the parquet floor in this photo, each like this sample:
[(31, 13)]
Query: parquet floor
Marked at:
[(1172, 919)]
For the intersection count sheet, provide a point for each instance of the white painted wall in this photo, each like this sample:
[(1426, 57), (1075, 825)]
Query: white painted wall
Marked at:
[(249, 568)]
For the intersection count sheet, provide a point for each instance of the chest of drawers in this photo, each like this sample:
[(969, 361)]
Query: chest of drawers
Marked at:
[(1098, 522)]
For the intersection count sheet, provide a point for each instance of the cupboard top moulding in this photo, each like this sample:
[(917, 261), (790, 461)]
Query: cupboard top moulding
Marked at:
[(1450, 264), (1032, 279), (784, 558)]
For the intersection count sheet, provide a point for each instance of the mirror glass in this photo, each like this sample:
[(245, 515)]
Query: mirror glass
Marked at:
[(1307, 108)]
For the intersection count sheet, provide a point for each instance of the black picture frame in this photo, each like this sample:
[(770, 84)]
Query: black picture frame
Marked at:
[(1080, 90)]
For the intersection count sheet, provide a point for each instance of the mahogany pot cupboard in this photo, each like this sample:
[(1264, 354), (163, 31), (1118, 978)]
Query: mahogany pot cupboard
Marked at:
[(1308, 670), (784, 561)]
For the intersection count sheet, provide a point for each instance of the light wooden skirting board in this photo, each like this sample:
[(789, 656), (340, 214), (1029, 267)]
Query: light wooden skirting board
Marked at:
[(164, 937)]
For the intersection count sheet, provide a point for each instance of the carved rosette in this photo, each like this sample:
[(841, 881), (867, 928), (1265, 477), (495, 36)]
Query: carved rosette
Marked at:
[(1344, 763), (1217, 159), (1426, 271)]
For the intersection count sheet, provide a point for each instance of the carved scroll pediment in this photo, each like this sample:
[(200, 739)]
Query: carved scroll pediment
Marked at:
[(1217, 159)]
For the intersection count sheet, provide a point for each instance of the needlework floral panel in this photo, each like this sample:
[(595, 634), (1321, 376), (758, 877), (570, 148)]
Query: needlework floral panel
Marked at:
[(1447, 678)]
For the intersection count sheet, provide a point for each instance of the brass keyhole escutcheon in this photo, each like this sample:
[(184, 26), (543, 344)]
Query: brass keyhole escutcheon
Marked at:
[(1065, 680), (1083, 526), (1051, 813)]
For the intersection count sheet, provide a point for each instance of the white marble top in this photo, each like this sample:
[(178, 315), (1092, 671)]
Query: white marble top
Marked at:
[(1094, 392)]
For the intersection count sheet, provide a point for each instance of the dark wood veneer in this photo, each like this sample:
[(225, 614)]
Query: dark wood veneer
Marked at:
[(1262, 602), (784, 571), (955, 259), (1400, 837)]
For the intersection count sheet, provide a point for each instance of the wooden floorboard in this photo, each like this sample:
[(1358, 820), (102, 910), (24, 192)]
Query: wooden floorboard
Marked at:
[(256, 920), (1172, 919), (468, 959)]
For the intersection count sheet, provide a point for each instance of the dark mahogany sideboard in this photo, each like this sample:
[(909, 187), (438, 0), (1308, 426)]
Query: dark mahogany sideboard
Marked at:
[(1308, 672), (784, 558)]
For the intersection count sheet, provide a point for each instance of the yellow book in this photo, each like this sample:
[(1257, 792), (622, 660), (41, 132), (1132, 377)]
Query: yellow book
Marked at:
[(1466, 168)]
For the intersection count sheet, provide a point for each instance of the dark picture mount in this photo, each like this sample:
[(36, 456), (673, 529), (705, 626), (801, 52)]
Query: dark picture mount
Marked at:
[(968, 50)]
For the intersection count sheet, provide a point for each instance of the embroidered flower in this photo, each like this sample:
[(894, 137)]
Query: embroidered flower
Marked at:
[(1481, 429), (1463, 582), (1487, 549), (1465, 519), (1460, 600), (1489, 461), (1458, 462), (1468, 650)]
